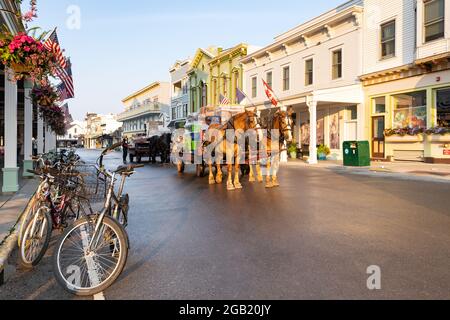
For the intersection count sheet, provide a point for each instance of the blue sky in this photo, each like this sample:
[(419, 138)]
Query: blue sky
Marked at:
[(122, 46)]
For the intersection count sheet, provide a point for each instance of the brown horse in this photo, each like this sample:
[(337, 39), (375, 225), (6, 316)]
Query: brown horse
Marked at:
[(240, 123), (281, 122)]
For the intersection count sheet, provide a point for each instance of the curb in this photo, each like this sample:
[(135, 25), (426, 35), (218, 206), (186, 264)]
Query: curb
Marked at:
[(10, 243), (6, 249)]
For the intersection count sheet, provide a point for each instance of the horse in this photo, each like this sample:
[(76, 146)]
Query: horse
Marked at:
[(240, 123), (163, 147), (281, 121), (160, 145)]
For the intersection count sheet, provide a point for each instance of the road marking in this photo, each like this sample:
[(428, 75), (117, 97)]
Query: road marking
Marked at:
[(99, 296)]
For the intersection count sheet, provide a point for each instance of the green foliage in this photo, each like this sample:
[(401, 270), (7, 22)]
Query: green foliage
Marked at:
[(323, 149), (292, 148)]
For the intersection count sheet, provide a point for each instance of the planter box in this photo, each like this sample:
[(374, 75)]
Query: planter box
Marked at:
[(405, 139), (439, 138)]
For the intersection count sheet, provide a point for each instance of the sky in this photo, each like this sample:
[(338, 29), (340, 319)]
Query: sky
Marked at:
[(118, 47)]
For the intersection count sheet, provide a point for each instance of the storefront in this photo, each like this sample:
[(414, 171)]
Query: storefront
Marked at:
[(410, 118), (335, 124)]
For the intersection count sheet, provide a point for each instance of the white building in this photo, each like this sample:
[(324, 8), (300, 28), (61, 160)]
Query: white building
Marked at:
[(406, 76), (314, 69), (180, 97), (101, 130), (75, 134)]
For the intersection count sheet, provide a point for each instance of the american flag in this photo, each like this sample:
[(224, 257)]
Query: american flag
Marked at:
[(62, 92), (224, 100), (66, 77), (270, 94), (52, 44)]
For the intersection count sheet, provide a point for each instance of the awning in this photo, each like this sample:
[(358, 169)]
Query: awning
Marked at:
[(177, 124)]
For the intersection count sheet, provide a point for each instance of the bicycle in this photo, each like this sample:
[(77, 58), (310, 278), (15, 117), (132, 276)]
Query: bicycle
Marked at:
[(45, 163), (92, 253), (60, 205)]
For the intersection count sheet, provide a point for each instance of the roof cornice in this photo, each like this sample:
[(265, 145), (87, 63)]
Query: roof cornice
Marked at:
[(315, 26), (137, 93)]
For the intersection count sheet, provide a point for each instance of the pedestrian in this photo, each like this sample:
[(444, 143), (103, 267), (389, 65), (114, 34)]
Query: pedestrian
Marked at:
[(125, 150)]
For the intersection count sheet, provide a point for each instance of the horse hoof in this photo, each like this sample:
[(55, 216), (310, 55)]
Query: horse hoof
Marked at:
[(238, 186), (269, 185), (252, 180), (276, 184), (231, 188), (260, 180), (211, 182), (219, 181)]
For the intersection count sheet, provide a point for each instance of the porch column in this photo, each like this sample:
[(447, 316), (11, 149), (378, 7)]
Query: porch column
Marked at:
[(40, 135), (47, 145), (10, 170), (312, 106), (28, 136)]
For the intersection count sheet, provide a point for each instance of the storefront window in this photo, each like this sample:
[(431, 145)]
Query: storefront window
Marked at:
[(379, 105), (410, 110), (443, 107)]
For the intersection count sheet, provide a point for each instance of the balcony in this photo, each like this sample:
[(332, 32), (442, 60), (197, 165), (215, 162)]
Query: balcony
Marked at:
[(142, 110)]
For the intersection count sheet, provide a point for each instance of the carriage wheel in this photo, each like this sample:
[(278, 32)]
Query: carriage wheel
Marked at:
[(245, 170), (200, 170)]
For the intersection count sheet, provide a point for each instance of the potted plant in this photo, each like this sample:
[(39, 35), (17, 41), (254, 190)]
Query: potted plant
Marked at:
[(292, 150), (407, 134), (439, 134), (322, 152)]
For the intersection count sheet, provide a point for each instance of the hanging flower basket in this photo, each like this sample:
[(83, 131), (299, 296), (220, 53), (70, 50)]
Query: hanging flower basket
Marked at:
[(45, 95), (20, 68), (54, 117), (26, 56)]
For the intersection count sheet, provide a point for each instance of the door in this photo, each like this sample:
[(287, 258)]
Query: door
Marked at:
[(378, 140)]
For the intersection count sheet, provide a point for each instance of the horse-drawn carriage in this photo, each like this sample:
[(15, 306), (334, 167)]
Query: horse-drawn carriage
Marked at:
[(151, 148), (194, 145)]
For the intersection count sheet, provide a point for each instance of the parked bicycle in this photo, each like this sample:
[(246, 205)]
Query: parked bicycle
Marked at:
[(92, 253), (57, 203)]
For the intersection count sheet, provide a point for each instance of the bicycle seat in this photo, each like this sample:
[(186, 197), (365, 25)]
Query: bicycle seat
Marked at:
[(127, 169)]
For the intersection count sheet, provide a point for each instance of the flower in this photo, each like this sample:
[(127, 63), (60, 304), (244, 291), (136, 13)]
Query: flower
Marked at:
[(22, 50)]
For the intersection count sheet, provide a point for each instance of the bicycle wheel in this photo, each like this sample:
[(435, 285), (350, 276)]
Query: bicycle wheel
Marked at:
[(36, 238), (29, 212), (85, 272)]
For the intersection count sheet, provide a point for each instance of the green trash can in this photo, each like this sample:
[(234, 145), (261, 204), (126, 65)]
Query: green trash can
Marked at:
[(356, 154)]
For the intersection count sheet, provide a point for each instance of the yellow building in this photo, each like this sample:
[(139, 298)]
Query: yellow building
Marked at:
[(146, 110), (226, 73)]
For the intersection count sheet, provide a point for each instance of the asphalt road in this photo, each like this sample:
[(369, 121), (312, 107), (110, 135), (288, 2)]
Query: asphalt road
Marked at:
[(312, 238)]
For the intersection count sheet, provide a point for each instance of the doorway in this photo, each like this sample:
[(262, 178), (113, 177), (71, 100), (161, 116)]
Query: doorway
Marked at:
[(378, 139)]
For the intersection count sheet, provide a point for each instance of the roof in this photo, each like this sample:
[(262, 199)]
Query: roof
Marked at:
[(179, 63), (147, 88)]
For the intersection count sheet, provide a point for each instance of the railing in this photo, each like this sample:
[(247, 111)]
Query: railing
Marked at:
[(139, 111)]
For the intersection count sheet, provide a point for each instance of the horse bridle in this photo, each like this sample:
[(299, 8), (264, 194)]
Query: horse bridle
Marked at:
[(284, 126), (230, 123)]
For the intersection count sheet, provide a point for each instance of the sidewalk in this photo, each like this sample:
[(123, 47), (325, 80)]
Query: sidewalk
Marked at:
[(440, 172), (11, 208)]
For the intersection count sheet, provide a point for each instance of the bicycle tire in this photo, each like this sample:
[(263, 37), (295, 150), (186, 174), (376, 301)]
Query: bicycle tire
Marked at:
[(25, 218), (25, 260), (84, 225)]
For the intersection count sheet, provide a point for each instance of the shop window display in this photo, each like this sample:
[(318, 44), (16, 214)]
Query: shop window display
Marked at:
[(410, 110)]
